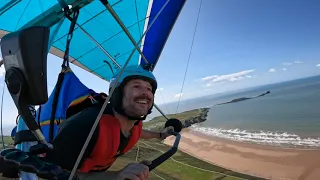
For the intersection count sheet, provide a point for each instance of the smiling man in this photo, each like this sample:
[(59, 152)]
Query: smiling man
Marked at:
[(119, 129)]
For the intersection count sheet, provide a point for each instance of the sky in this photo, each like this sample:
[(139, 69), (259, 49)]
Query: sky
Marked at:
[(238, 44)]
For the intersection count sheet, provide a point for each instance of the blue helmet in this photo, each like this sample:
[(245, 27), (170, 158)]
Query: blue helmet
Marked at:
[(133, 72), (130, 72)]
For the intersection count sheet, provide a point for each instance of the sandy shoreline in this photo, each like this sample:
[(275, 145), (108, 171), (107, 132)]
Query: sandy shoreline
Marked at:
[(258, 160)]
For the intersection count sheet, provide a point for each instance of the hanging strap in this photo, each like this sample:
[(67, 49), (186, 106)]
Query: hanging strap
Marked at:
[(73, 21), (64, 66), (67, 13)]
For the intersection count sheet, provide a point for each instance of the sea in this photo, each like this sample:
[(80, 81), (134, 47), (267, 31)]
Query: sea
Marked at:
[(288, 117)]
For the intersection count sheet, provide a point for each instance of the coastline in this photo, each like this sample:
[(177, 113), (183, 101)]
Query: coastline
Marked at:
[(253, 159)]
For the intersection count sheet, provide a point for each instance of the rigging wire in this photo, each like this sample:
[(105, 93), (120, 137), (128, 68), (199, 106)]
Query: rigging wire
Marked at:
[(2, 139), (135, 3), (97, 121), (40, 4), (24, 10), (164, 101), (185, 73)]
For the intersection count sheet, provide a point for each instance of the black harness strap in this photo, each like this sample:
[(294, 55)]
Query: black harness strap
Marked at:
[(54, 105), (64, 66), (40, 107), (23, 136), (9, 169), (26, 135)]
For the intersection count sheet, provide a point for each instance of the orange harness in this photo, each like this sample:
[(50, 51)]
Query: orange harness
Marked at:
[(106, 148)]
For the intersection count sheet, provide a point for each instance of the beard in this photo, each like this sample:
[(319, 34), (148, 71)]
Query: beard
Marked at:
[(135, 109)]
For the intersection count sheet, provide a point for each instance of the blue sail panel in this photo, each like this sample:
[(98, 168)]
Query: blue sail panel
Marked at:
[(21, 12), (155, 38), (72, 90), (99, 23)]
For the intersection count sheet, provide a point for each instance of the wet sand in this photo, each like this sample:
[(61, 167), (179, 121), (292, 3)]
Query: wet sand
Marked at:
[(257, 160)]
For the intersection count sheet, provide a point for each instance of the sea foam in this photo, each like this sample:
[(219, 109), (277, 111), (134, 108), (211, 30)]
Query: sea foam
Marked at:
[(283, 139)]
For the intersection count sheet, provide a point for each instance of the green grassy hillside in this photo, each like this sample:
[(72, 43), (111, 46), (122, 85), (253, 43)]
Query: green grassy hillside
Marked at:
[(181, 166), (187, 118), (8, 141)]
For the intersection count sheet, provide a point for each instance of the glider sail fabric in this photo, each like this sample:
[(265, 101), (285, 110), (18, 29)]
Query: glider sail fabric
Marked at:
[(96, 20)]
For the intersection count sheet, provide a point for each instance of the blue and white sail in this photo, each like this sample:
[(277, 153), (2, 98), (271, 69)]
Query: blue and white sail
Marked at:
[(98, 22)]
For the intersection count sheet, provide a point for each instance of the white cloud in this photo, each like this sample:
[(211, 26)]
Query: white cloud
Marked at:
[(291, 63), (272, 70), (209, 84), (248, 76), (234, 79), (178, 95), (160, 89), (287, 63), (284, 69), (209, 77), (318, 65), (226, 77)]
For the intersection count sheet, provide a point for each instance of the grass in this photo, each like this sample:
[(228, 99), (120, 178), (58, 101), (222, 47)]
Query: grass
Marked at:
[(181, 166), (187, 118), (8, 142)]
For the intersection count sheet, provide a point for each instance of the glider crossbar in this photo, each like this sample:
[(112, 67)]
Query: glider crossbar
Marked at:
[(113, 60), (123, 27)]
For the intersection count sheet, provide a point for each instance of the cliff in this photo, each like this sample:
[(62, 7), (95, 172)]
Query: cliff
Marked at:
[(187, 118), (244, 98)]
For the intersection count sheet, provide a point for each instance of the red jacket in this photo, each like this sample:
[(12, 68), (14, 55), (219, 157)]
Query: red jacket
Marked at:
[(105, 150)]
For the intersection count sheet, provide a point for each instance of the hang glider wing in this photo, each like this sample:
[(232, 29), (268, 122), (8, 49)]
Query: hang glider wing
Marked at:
[(98, 22)]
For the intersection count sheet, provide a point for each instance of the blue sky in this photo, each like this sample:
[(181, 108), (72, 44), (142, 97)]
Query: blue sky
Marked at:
[(239, 39), (238, 44)]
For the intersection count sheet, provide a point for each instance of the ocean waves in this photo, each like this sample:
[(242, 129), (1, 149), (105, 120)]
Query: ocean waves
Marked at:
[(283, 139)]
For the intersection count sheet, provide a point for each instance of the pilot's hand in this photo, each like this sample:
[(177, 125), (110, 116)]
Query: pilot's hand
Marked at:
[(165, 134), (134, 171)]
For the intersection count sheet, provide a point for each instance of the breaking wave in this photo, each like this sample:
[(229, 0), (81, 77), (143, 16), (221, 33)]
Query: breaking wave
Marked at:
[(271, 138)]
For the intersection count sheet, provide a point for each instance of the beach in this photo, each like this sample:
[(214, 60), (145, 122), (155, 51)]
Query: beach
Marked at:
[(258, 160)]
